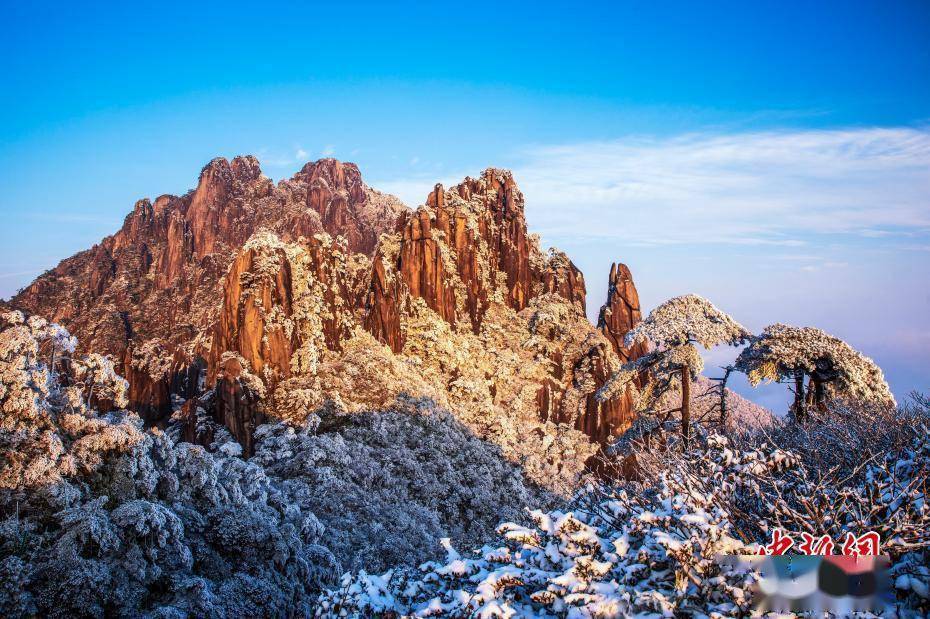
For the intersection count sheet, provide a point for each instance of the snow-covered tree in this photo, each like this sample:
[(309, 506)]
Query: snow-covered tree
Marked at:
[(674, 329), (101, 382), (390, 484), (650, 548), (832, 367)]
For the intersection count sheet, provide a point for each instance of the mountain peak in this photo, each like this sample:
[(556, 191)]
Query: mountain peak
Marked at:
[(300, 280)]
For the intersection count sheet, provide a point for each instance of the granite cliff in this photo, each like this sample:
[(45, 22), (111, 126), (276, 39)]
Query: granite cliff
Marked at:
[(245, 300), (145, 294)]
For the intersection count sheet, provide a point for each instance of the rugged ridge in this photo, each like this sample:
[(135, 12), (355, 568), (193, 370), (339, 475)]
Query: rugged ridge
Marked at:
[(154, 284), (466, 248), (250, 300)]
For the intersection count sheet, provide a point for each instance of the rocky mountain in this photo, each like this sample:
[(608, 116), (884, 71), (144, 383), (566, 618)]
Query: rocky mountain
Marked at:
[(146, 294), (244, 300)]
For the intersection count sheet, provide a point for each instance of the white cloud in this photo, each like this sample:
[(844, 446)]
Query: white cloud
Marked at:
[(768, 188), (279, 159), (775, 188)]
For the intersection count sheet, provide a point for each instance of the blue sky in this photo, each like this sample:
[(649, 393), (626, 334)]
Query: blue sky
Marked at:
[(774, 157)]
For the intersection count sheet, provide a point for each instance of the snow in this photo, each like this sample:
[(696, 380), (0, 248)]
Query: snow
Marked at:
[(651, 549), (782, 350), (103, 517)]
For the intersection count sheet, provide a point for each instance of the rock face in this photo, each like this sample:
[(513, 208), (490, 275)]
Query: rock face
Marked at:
[(621, 312), (156, 282), (236, 402), (260, 282), (251, 300), (466, 248), (345, 205)]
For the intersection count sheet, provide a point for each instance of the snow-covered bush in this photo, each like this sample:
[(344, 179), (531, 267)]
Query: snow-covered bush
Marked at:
[(389, 485), (865, 469), (650, 547), (99, 517), (621, 550), (100, 380)]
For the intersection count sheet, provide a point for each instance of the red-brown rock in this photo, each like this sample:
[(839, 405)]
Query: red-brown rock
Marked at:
[(621, 312), (159, 276), (235, 405), (187, 279), (259, 317), (464, 246)]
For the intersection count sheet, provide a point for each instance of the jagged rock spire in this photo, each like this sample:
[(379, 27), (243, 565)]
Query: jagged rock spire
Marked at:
[(621, 312), (239, 266), (159, 278)]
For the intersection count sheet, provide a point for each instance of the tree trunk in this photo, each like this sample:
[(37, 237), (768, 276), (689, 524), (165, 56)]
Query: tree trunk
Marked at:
[(820, 395), (685, 403), (724, 413), (799, 395)]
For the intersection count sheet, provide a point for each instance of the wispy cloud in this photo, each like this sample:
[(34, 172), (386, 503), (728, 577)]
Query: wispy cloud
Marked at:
[(828, 264), (769, 188), (778, 189)]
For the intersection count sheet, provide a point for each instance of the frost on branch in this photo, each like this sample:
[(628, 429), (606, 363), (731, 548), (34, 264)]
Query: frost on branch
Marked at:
[(101, 382), (154, 359), (687, 319)]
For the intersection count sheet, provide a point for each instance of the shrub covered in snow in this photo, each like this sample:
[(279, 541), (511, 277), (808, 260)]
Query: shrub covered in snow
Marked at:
[(621, 550), (98, 517), (389, 485), (650, 547), (101, 517)]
